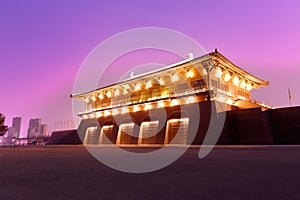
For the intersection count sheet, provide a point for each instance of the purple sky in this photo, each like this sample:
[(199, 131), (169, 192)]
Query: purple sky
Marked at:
[(43, 43)]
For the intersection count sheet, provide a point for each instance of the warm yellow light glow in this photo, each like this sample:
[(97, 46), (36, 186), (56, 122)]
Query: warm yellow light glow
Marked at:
[(179, 120), (190, 74), (249, 87), (218, 72), (190, 99), (236, 80), (220, 98), (108, 94), (101, 96), (106, 113), (229, 101), (161, 104), (174, 102), (98, 114), (94, 98), (115, 111), (137, 87), (161, 81), (148, 84), (175, 78), (148, 106), (243, 84), (227, 77), (85, 116), (107, 127), (127, 86), (124, 110), (165, 93), (117, 92), (136, 108), (125, 91)]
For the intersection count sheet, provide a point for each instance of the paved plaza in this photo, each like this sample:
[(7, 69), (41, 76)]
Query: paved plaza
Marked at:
[(228, 172)]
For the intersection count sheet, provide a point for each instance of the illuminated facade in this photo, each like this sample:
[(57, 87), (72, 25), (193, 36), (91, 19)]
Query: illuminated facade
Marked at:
[(122, 109)]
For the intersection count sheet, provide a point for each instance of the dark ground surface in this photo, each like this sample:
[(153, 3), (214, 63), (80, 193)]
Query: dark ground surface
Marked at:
[(70, 172)]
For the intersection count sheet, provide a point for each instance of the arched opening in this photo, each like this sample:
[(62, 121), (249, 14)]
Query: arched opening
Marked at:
[(148, 131), (106, 134), (125, 133), (177, 131), (91, 136)]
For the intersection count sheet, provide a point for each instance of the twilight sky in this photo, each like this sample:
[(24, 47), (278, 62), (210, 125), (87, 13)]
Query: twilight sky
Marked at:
[(43, 43)]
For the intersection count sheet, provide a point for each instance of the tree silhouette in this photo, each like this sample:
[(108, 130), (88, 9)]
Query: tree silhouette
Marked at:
[(3, 128)]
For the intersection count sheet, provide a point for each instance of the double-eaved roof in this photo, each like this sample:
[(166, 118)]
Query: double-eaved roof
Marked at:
[(216, 57)]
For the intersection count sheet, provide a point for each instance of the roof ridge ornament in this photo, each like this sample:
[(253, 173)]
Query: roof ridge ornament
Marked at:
[(190, 56), (132, 75)]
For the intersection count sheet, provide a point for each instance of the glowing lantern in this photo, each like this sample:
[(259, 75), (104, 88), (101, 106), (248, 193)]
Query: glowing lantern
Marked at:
[(174, 102), (124, 110), (101, 96), (190, 74), (126, 86), (117, 92), (229, 101), (106, 113), (220, 98), (115, 111), (243, 84), (148, 84), (148, 106), (85, 116), (161, 81), (190, 99), (236, 81), (160, 104), (175, 78), (137, 87), (94, 98), (248, 87), (136, 108), (218, 72), (108, 94), (227, 77), (98, 114)]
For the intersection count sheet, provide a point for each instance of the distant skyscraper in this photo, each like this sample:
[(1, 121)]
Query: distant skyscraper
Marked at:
[(44, 130), (16, 124), (14, 131), (34, 127)]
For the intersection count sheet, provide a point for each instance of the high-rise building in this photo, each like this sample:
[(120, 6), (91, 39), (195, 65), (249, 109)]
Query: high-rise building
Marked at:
[(34, 127), (14, 131), (44, 130)]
